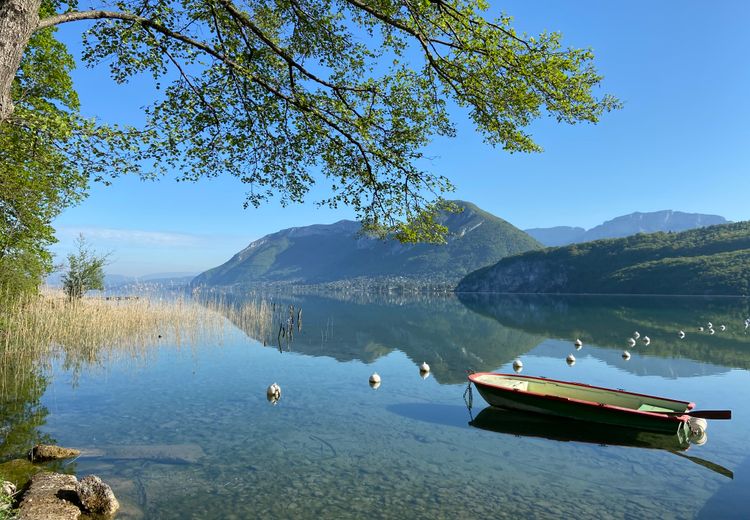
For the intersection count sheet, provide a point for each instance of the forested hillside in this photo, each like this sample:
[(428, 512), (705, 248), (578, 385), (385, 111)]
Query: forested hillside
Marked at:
[(712, 260)]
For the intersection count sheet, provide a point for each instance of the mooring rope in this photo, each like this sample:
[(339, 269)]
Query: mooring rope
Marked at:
[(469, 396)]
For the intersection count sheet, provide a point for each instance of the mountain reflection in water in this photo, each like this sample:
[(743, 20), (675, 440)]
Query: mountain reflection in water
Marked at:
[(483, 332)]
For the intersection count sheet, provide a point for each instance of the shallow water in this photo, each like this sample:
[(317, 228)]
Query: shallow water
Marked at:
[(188, 432)]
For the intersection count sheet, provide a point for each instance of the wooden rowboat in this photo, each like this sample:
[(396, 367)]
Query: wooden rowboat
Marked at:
[(587, 403)]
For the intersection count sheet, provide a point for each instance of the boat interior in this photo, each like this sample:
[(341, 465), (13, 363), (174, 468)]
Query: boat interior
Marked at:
[(583, 393)]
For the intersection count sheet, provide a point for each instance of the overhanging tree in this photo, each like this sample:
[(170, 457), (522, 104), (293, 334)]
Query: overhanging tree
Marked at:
[(271, 91)]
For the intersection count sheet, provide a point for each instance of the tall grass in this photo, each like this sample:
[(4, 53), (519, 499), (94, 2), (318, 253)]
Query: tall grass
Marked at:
[(92, 329)]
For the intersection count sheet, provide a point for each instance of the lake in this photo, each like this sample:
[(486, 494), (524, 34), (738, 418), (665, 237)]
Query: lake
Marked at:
[(186, 431)]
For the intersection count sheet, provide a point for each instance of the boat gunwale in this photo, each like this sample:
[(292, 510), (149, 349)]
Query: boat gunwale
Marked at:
[(663, 416)]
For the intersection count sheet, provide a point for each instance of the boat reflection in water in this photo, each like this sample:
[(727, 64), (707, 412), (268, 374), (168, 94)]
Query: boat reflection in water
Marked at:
[(526, 424)]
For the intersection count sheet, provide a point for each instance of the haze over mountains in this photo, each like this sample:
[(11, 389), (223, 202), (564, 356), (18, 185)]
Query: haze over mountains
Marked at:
[(328, 253), (624, 226)]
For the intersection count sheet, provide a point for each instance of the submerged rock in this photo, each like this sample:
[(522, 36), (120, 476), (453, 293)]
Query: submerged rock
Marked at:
[(45, 452), (163, 453), (50, 497), (96, 496)]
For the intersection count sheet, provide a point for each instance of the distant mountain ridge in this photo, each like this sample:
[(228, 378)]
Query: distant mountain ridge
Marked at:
[(626, 225), (324, 253), (713, 260)]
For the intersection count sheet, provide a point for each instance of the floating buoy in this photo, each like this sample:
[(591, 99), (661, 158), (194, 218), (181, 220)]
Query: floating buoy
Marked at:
[(711, 331), (273, 393), (570, 360), (375, 380), (646, 340), (681, 334), (698, 427), (631, 342), (578, 343), (625, 355), (517, 366), (698, 423), (424, 367), (722, 328), (636, 334), (700, 329)]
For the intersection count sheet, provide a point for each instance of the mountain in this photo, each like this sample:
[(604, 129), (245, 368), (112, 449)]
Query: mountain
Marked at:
[(328, 253), (626, 225), (711, 260), (558, 235)]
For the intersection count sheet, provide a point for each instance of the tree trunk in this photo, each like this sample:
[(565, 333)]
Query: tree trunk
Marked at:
[(18, 20)]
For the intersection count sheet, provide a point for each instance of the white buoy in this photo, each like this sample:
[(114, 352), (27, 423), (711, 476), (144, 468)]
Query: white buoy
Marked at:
[(698, 427), (273, 393), (424, 367), (636, 334), (722, 328), (710, 325), (681, 334), (374, 378), (646, 340), (578, 343), (698, 423), (625, 355), (570, 360), (700, 329), (711, 331), (631, 342), (517, 366)]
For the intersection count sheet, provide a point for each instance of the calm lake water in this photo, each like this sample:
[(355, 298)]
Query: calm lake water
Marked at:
[(187, 432)]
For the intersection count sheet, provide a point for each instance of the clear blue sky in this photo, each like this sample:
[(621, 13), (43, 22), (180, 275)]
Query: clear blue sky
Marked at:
[(681, 142)]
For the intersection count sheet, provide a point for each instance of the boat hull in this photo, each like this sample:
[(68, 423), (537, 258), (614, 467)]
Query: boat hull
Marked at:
[(576, 408)]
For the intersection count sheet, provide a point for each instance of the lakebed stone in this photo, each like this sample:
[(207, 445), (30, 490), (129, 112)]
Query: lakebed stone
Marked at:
[(45, 452), (96, 496)]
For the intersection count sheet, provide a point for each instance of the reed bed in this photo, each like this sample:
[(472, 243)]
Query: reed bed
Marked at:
[(93, 330)]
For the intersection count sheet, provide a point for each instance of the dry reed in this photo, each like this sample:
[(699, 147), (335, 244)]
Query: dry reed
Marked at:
[(92, 330)]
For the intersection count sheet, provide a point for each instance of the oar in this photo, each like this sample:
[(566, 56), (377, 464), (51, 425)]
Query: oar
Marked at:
[(706, 414)]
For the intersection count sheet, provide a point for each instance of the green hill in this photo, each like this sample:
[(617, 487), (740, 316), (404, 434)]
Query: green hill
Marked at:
[(329, 253), (713, 260)]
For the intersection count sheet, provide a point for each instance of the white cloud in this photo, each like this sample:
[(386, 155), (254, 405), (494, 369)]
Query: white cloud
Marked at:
[(132, 237)]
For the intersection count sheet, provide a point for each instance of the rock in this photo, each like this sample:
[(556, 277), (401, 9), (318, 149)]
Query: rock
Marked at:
[(96, 496), (45, 452), (7, 488), (50, 497)]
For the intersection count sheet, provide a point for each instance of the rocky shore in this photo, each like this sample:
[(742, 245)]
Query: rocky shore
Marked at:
[(38, 494)]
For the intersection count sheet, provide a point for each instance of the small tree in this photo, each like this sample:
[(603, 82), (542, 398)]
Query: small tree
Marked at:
[(85, 271)]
